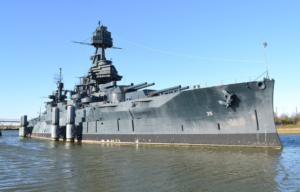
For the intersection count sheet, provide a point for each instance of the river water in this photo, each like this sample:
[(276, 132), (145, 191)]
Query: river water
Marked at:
[(43, 165)]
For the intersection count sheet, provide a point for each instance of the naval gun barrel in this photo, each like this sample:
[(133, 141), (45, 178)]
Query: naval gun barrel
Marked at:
[(144, 86), (181, 89), (165, 90), (136, 86), (184, 88)]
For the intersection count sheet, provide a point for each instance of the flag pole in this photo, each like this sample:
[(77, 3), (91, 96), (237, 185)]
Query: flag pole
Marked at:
[(265, 59)]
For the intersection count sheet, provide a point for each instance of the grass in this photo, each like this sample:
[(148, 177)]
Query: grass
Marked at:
[(288, 126), (14, 127)]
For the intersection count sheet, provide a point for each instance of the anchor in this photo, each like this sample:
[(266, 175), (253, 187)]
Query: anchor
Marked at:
[(229, 98)]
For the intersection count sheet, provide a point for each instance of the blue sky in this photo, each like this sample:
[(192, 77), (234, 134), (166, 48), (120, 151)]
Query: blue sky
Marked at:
[(36, 41)]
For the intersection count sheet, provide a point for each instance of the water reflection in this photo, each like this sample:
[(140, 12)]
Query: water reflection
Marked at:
[(30, 164), (289, 161)]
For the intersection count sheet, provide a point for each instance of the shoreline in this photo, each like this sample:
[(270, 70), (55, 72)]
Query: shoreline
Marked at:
[(288, 130)]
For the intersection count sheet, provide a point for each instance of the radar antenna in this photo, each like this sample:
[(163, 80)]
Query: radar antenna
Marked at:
[(59, 74), (58, 77)]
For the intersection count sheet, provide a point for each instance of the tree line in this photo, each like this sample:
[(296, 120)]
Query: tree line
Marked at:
[(287, 120)]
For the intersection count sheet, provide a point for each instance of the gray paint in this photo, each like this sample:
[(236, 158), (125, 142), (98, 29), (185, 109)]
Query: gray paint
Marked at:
[(54, 132), (236, 114), (55, 116), (70, 132), (70, 123), (71, 115), (22, 129), (55, 123)]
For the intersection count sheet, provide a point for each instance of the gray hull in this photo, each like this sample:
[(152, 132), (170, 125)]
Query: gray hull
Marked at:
[(189, 117)]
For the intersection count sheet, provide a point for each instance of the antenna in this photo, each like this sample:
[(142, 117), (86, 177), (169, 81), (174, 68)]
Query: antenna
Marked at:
[(40, 113), (58, 77), (264, 45), (99, 23)]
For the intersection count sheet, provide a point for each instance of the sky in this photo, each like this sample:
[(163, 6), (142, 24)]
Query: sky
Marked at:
[(36, 40)]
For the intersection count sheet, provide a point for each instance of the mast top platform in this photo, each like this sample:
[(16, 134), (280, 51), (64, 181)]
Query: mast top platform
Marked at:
[(101, 37)]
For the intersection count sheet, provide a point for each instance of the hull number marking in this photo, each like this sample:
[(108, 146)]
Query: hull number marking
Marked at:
[(209, 113)]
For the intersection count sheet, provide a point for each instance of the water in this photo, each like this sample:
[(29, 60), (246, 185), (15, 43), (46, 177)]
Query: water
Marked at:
[(42, 165)]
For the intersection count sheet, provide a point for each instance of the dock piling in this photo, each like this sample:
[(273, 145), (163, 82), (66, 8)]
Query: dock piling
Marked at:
[(22, 128), (55, 124), (70, 124)]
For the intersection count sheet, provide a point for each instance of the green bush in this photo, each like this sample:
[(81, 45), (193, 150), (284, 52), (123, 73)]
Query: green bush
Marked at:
[(287, 122)]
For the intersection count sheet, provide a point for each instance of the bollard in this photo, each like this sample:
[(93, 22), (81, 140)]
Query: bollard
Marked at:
[(55, 124), (24, 125), (70, 123), (22, 128)]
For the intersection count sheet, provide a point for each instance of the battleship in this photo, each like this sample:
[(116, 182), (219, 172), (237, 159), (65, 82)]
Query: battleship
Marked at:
[(99, 109)]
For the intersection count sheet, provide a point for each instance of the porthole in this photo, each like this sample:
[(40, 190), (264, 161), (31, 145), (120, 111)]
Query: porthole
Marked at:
[(261, 85)]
